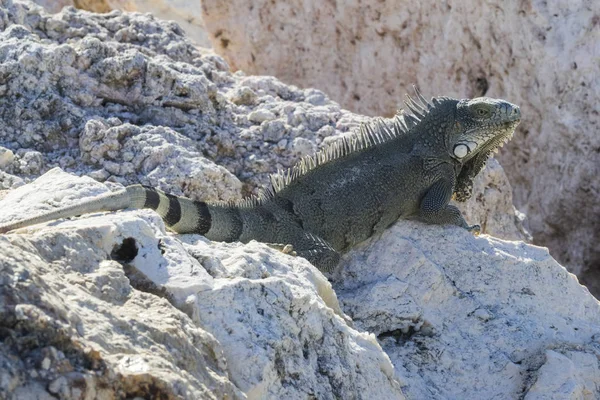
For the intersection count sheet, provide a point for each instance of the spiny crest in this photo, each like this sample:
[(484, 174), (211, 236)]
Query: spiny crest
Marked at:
[(247, 202), (369, 135)]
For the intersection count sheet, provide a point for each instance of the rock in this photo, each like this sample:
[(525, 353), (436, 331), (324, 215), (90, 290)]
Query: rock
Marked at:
[(8, 181), (166, 158), (52, 190), (473, 317), (243, 96), (566, 375), (27, 162), (259, 116), (367, 54), (180, 316), (118, 306), (6, 157), (62, 294)]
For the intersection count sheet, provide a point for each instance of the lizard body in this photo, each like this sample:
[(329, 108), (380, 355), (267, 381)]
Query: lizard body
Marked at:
[(351, 190)]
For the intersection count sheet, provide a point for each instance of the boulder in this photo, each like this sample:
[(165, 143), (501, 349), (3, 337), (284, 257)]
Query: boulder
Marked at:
[(109, 306), (473, 317)]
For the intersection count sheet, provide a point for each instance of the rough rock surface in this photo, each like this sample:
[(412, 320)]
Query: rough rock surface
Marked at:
[(473, 317), (111, 305), (255, 323), (73, 327), (185, 13), (541, 55)]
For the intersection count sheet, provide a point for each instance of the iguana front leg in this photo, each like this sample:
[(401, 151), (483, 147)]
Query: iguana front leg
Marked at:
[(434, 208)]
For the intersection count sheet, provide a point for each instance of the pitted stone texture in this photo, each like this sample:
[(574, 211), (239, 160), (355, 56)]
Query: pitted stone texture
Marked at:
[(458, 315), (255, 322), (61, 72), (473, 317), (74, 327), (168, 160)]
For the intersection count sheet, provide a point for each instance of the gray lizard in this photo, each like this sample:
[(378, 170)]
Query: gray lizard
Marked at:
[(408, 167)]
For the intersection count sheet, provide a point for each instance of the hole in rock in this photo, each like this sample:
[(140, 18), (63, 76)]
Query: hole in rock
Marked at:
[(399, 334), (126, 252), (482, 85), (411, 333)]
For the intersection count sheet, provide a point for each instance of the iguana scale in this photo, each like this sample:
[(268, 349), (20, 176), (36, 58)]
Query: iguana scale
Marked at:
[(409, 167)]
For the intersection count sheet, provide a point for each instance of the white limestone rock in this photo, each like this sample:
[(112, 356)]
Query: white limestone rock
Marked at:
[(73, 326), (457, 315), (262, 324), (52, 190), (160, 156), (473, 317), (566, 374), (8, 181), (6, 157), (126, 98)]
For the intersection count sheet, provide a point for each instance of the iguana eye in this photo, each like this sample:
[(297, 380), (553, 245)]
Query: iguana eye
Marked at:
[(482, 112), (461, 150)]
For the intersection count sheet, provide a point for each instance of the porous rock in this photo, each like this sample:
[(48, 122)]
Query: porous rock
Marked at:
[(178, 318), (473, 317), (74, 327), (542, 56), (127, 99), (186, 14)]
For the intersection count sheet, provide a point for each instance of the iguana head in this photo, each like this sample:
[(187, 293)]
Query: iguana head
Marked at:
[(482, 126)]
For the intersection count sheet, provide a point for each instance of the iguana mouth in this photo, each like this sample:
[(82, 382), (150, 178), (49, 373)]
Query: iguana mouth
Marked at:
[(497, 143)]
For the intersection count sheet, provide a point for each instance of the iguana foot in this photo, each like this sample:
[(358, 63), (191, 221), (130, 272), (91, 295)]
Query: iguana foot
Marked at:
[(284, 248), (475, 229)]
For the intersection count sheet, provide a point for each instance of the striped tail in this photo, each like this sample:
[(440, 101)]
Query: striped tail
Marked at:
[(180, 214), (219, 222), (216, 222)]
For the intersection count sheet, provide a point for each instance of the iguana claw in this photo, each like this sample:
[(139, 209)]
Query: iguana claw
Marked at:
[(284, 248), (475, 229)]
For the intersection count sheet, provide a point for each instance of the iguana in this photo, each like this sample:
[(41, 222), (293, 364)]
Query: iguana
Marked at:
[(408, 167)]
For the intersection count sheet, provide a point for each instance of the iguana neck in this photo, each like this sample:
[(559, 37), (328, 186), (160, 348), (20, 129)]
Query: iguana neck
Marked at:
[(433, 133)]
